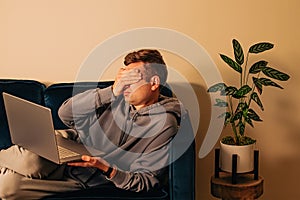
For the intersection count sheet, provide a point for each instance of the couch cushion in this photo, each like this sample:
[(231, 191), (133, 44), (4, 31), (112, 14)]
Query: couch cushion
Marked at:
[(56, 94), (28, 89)]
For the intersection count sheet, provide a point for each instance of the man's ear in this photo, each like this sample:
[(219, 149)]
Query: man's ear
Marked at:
[(155, 82)]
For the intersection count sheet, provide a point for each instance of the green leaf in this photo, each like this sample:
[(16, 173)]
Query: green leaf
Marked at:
[(237, 116), (221, 103), (242, 91), (247, 140), (238, 52), (241, 106), (228, 140), (238, 113), (258, 66), (268, 82), (255, 98), (260, 47), (249, 121), (234, 65), (217, 87), (230, 90), (241, 128), (273, 73), (257, 84), (252, 115), (227, 116)]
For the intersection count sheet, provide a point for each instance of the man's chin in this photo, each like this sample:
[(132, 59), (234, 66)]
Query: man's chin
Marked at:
[(127, 98)]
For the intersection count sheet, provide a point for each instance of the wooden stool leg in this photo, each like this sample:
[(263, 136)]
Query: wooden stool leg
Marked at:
[(217, 160), (256, 162), (234, 168)]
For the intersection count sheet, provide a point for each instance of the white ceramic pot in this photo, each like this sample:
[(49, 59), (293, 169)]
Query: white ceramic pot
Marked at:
[(245, 157)]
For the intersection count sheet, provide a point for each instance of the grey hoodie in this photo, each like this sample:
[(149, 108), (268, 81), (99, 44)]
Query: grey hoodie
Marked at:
[(136, 141)]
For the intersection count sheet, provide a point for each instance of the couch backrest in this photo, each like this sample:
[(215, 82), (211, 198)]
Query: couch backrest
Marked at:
[(28, 89)]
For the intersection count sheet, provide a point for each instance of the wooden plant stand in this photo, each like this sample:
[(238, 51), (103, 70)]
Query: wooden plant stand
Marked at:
[(236, 186)]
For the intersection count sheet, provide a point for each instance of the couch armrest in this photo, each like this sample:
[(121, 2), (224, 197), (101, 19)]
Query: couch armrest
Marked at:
[(30, 90)]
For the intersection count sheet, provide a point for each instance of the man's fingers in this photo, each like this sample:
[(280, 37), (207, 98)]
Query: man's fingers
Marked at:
[(78, 164), (125, 78), (88, 161), (129, 75), (92, 160), (85, 158), (129, 79)]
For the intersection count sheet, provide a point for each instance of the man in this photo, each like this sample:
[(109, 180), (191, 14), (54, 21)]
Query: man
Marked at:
[(130, 122)]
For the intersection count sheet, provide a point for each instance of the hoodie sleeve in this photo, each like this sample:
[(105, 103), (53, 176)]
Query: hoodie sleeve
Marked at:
[(145, 173), (79, 111)]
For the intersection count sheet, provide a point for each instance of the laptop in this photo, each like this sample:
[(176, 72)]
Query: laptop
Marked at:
[(31, 127)]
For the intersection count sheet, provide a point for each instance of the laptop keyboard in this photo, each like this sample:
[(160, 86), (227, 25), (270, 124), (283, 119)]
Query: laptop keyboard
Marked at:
[(66, 153)]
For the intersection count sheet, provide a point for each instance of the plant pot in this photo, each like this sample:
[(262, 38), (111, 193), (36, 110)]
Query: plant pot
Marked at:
[(245, 157)]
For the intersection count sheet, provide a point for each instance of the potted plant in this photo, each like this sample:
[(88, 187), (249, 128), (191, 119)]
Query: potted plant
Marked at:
[(241, 98)]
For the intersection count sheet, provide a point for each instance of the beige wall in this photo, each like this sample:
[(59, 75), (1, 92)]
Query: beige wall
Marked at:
[(49, 39)]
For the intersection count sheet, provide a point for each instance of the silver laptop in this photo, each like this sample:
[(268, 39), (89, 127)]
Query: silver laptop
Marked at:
[(31, 127)]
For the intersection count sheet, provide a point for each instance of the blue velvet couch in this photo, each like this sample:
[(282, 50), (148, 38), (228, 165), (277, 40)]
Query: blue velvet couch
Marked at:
[(180, 177)]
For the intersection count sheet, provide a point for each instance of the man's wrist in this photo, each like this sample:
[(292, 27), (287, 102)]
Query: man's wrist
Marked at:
[(108, 172), (113, 91)]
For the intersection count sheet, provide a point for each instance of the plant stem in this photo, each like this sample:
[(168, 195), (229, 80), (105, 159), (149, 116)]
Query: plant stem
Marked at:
[(246, 75), (253, 88), (236, 137), (231, 105), (237, 140)]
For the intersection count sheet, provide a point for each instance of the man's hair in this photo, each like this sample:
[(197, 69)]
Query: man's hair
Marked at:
[(154, 63)]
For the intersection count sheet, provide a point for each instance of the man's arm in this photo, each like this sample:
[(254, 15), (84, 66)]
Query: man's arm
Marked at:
[(81, 107), (144, 173), (80, 110)]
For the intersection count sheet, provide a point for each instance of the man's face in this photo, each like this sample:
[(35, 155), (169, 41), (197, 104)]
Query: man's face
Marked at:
[(139, 94)]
